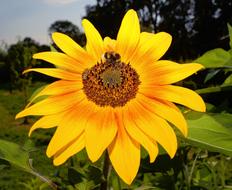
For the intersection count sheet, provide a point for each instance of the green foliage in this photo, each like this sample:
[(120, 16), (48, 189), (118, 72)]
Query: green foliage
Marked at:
[(213, 89), (19, 58), (211, 131), (37, 91), (230, 34), (216, 58), (228, 80), (14, 154), (218, 62)]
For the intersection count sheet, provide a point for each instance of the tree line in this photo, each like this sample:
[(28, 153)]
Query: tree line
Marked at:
[(196, 26)]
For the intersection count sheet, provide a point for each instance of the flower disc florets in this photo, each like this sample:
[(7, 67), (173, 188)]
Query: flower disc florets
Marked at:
[(110, 82)]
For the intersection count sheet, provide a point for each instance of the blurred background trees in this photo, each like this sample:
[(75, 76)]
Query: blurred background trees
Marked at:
[(196, 26), (68, 28)]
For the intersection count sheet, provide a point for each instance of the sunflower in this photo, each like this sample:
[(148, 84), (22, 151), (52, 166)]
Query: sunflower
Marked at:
[(116, 95)]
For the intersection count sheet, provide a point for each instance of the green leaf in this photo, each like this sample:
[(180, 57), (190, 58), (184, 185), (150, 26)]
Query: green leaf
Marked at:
[(214, 89), (230, 34), (230, 51), (94, 174), (228, 80), (4, 164), (210, 131), (53, 49), (211, 74), (37, 91), (146, 188), (29, 146), (74, 176), (19, 157), (14, 154), (215, 58)]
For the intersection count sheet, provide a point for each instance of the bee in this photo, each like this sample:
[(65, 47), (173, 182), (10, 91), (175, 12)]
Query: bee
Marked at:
[(111, 57), (85, 74)]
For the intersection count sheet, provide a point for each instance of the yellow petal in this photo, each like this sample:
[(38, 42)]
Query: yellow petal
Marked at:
[(151, 48), (61, 60), (100, 126), (164, 110), (154, 127), (53, 105), (71, 126), (124, 153), (59, 87), (167, 72), (94, 40), (128, 36), (57, 73), (71, 48), (175, 94), (136, 133), (72, 148), (109, 44), (45, 122)]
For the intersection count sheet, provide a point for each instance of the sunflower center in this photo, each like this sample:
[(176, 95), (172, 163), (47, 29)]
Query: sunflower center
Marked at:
[(110, 82)]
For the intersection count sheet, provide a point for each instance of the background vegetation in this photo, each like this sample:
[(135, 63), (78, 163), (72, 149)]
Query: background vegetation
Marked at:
[(203, 161)]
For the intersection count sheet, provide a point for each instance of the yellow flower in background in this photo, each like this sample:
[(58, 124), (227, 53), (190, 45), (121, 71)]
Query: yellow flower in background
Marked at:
[(116, 95)]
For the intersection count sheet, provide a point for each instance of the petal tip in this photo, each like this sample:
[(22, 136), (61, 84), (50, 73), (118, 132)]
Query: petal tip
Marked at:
[(131, 11), (85, 22), (132, 14), (201, 107), (19, 115), (49, 152), (93, 158), (173, 153), (29, 134), (26, 71), (152, 159), (56, 35), (128, 180), (57, 162), (199, 66), (30, 131), (35, 56)]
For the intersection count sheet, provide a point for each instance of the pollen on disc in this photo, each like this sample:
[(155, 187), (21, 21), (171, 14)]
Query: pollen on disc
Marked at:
[(110, 82)]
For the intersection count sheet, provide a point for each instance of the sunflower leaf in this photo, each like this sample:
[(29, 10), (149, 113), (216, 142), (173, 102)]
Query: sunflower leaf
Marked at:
[(216, 58), (213, 89), (228, 80), (230, 33), (19, 157), (74, 176), (37, 91), (14, 154), (53, 49), (211, 74), (210, 131)]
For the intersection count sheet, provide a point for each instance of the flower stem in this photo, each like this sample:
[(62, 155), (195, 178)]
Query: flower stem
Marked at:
[(106, 172)]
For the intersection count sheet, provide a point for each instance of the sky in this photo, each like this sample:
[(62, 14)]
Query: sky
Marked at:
[(32, 18)]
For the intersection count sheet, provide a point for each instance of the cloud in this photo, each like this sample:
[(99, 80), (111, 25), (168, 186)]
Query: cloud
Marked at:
[(59, 2)]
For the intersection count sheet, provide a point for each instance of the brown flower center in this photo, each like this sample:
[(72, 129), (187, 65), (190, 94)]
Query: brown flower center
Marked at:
[(110, 82)]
